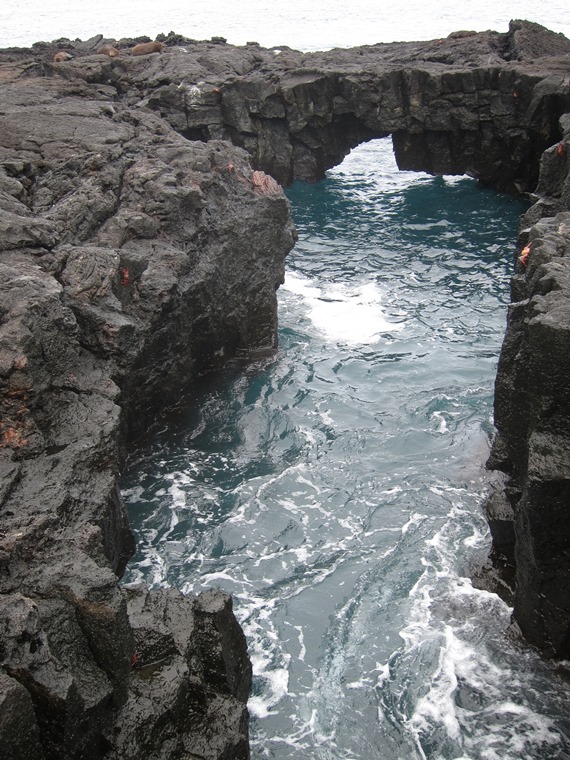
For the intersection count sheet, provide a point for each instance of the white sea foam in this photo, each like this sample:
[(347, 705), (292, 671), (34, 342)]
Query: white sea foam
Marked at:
[(440, 421), (302, 647), (275, 687), (153, 569), (414, 519), (343, 313), (326, 417), (445, 627)]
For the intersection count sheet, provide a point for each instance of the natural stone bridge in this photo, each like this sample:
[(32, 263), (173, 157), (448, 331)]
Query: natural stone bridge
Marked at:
[(486, 105), (138, 246)]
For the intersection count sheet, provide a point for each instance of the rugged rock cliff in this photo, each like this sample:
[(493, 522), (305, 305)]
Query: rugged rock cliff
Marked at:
[(130, 260), (528, 514), (138, 247), (484, 104)]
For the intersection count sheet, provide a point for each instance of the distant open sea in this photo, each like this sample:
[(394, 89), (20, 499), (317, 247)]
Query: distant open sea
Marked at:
[(336, 489), (300, 24)]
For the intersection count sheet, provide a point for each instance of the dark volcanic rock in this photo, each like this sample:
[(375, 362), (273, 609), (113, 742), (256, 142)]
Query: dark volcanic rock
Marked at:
[(131, 260), (532, 414), (19, 733), (190, 679), (138, 248), (483, 104)]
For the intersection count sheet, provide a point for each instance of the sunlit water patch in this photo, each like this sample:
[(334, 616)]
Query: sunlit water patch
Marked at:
[(344, 313), (335, 489)]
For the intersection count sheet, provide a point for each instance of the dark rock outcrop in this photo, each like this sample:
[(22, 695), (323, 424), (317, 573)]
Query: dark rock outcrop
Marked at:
[(190, 679), (130, 260), (483, 104), (532, 415), (139, 247)]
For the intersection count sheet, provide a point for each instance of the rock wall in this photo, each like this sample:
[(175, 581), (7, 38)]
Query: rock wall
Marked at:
[(130, 260), (529, 515), (139, 247)]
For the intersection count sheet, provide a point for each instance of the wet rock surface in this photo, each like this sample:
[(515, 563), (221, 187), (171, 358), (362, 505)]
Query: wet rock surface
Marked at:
[(190, 680), (142, 238)]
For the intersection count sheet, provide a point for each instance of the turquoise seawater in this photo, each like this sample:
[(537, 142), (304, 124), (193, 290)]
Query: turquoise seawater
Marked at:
[(335, 489)]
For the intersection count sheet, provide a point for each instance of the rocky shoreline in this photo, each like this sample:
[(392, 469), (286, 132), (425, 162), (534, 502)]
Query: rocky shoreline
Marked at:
[(143, 234)]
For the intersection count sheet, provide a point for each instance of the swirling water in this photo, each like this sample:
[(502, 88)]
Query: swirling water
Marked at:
[(335, 489)]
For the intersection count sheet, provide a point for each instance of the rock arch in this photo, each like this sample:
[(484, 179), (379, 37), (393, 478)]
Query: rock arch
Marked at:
[(483, 104)]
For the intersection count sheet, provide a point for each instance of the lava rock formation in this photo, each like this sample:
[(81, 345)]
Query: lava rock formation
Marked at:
[(142, 237)]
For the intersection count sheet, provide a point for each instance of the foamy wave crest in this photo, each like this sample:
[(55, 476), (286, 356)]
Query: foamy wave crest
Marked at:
[(342, 312), (460, 704)]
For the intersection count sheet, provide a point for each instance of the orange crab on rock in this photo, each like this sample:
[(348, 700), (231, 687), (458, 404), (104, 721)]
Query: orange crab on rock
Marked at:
[(525, 253)]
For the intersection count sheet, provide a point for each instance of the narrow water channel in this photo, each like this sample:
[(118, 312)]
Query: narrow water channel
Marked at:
[(335, 489)]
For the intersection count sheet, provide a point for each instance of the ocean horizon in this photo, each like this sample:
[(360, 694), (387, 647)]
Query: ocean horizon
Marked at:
[(297, 24)]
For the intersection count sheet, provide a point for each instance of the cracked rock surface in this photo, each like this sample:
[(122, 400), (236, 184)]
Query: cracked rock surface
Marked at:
[(130, 261)]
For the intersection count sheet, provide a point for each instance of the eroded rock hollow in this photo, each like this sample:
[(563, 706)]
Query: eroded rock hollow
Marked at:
[(143, 234)]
